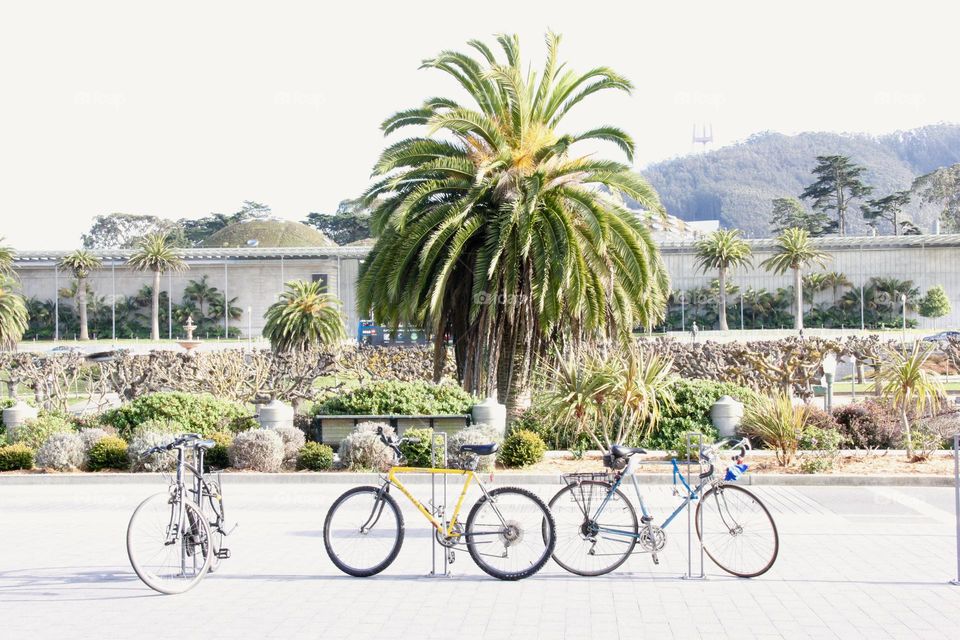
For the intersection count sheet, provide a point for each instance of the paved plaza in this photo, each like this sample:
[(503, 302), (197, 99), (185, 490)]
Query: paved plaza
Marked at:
[(871, 562)]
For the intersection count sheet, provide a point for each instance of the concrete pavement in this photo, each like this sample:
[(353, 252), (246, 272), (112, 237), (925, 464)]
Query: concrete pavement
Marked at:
[(854, 562)]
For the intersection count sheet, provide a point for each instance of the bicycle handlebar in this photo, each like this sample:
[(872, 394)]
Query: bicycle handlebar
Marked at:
[(174, 444), (709, 452)]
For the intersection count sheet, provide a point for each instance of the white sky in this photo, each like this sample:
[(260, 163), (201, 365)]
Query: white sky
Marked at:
[(178, 109)]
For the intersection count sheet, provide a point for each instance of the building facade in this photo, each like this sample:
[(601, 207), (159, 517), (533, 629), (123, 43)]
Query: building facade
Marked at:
[(255, 276)]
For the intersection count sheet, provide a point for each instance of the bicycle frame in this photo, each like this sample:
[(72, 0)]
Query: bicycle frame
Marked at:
[(469, 476), (691, 494)]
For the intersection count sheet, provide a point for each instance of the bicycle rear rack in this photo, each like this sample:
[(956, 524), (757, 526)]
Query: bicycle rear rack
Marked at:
[(599, 476)]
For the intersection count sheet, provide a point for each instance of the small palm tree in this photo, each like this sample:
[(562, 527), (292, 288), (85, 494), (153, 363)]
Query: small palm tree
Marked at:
[(905, 381), (719, 251), (794, 251), (13, 313), (303, 316), (813, 283), (81, 262), (836, 281), (156, 253)]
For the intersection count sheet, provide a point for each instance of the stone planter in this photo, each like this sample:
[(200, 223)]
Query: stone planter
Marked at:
[(726, 414)]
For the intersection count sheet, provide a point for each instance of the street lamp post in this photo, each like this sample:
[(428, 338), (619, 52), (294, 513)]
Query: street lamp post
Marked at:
[(903, 301), (829, 371)]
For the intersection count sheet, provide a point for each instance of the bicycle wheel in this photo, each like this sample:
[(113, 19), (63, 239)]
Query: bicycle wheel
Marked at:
[(363, 531), (169, 549), (738, 532), (505, 533), (587, 546)]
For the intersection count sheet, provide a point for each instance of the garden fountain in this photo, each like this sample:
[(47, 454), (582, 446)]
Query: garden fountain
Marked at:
[(190, 343)]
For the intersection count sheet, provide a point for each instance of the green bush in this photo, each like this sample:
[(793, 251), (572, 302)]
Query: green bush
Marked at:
[(218, 457), (314, 456), (521, 448), (34, 432), (392, 397), (16, 456), (417, 454), (691, 412), (6, 403), (109, 452), (197, 413)]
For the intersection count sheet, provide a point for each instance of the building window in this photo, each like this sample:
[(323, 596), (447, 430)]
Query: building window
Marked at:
[(322, 279)]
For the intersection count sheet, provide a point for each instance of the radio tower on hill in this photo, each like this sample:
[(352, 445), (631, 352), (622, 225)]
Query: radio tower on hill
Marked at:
[(705, 137)]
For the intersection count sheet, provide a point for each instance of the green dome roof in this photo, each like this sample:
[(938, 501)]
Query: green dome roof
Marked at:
[(268, 233)]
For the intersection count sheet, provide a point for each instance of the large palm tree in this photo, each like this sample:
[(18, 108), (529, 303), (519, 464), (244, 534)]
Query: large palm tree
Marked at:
[(81, 262), (155, 253), (13, 313), (905, 380), (492, 228), (719, 251), (794, 251), (303, 316), (13, 308)]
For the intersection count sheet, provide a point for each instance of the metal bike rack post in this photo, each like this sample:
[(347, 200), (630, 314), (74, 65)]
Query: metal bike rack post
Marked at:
[(690, 576), (956, 497), (433, 503)]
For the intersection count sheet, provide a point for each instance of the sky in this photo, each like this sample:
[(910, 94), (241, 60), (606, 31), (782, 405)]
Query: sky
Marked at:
[(179, 109)]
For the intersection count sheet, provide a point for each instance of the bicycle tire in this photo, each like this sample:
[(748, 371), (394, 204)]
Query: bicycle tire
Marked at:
[(196, 519), (546, 521), (718, 496), (630, 541), (388, 502)]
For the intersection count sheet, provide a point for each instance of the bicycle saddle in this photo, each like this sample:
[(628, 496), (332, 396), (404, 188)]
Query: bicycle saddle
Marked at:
[(205, 444), (480, 449), (619, 451)]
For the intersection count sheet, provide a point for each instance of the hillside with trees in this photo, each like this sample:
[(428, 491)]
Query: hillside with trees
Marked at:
[(739, 183)]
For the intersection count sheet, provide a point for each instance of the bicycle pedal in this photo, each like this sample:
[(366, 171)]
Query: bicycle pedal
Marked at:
[(451, 557), (656, 560), (223, 554)]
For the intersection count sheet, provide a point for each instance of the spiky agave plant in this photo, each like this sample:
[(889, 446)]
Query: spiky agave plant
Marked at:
[(303, 316), (494, 228)]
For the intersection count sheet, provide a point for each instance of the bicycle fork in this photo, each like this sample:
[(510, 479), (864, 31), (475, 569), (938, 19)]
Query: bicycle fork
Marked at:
[(646, 520)]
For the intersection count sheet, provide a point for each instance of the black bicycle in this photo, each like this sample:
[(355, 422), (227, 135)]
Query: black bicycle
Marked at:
[(175, 537)]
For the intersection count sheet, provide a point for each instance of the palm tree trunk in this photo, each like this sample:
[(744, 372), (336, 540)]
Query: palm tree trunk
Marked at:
[(798, 302), (82, 307), (723, 300), (155, 319)]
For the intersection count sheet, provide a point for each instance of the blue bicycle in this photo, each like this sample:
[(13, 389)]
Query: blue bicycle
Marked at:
[(597, 526)]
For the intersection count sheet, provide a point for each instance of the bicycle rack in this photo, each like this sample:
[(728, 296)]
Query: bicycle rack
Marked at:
[(433, 502), (689, 436)]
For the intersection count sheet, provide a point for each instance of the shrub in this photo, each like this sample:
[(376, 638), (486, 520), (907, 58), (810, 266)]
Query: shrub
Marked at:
[(91, 436), (314, 456), (109, 452), (363, 448), (257, 450), (690, 412), (197, 413), (36, 431), (391, 397), (476, 434), (16, 456), (61, 452), (218, 457), (144, 439), (416, 452), (778, 423), (869, 425), (521, 448), (821, 446), (293, 440)]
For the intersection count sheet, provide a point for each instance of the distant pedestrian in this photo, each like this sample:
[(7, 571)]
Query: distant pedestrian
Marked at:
[(694, 330)]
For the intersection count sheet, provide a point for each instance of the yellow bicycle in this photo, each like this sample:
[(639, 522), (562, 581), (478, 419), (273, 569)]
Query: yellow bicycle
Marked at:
[(510, 532)]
